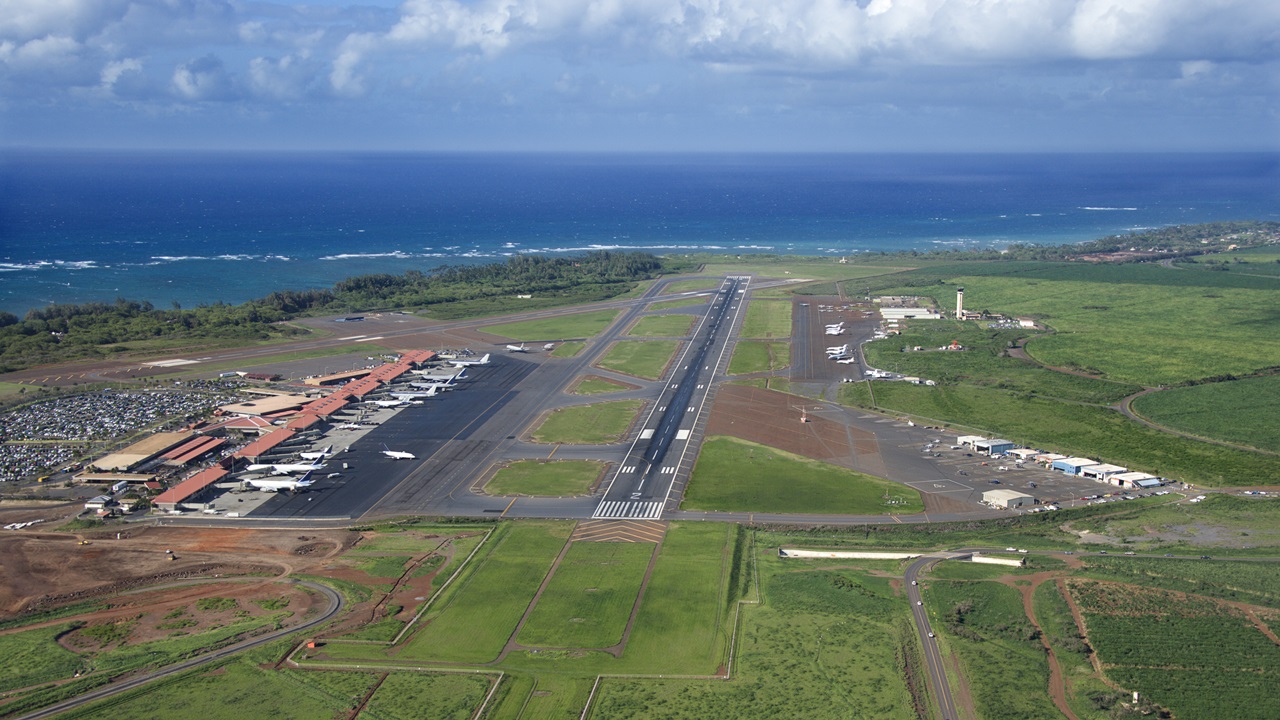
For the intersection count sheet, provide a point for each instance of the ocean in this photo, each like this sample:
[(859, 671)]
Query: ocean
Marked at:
[(192, 228)]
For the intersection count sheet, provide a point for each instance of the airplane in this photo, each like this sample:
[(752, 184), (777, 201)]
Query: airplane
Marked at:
[(348, 426), (398, 454), (279, 483), (848, 360), (468, 363), (833, 331), (316, 455), (285, 468), (445, 377), (836, 326), (388, 403), (840, 357), (837, 349), (411, 396), (517, 348)]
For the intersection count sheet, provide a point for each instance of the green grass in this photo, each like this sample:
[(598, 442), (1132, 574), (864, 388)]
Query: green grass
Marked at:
[(384, 567), (1243, 411), (536, 477), (675, 304), (749, 357), (1003, 662), (1255, 583), (481, 611), (595, 424), (642, 358), (983, 362), (1083, 430), (1087, 694), (1134, 323), (590, 596), (237, 690), (736, 475), (662, 326), (597, 386), (568, 349), (32, 656), (679, 286), (1221, 523), (442, 696), (575, 325), (557, 697), (767, 319)]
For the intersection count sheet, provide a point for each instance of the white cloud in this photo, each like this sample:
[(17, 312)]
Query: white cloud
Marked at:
[(204, 78), (112, 71)]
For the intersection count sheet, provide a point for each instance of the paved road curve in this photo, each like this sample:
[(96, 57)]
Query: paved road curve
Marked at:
[(335, 605), (932, 655)]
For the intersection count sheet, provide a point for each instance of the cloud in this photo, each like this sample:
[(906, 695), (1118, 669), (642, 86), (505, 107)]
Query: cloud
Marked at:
[(204, 78)]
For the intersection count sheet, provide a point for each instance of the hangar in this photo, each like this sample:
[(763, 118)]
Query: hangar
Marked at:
[(1007, 498), (1072, 465), (1101, 471)]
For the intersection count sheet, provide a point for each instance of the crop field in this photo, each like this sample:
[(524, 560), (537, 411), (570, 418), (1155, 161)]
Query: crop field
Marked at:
[(1240, 581), (540, 478), (1140, 324), (749, 357), (675, 304), (983, 362), (1247, 261), (642, 358), (597, 386), (825, 644), (576, 325), (1241, 411), (1212, 649), (736, 475), (597, 423), (442, 696), (1086, 692), (662, 326), (767, 320), (590, 596), (481, 610), (1221, 521), (1082, 430), (1004, 662)]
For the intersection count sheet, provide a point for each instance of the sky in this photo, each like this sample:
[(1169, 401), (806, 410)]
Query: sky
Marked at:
[(642, 75)]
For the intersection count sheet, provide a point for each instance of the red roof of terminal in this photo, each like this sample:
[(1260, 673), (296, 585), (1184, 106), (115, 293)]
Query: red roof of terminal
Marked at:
[(191, 486), (264, 443)]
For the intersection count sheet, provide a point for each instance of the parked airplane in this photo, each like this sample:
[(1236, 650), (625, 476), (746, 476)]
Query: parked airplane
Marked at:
[(839, 357), (834, 331), (838, 349), (388, 403), (836, 326), (468, 363), (450, 376), (317, 455), (285, 468), (847, 361), (410, 396), (279, 483), (348, 426), (398, 454), (517, 348)]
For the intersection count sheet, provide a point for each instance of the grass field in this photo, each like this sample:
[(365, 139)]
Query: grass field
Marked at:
[(593, 424), (597, 386), (736, 475), (642, 358), (577, 325), (662, 326), (1141, 324), (1081, 430), (31, 657), (1243, 411), (1003, 661), (443, 696), (680, 286), (767, 320), (481, 610), (749, 357), (536, 477), (590, 596), (674, 304), (1220, 522), (568, 349), (983, 362)]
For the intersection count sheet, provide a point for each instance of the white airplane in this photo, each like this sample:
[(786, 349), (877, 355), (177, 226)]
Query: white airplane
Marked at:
[(285, 468), (411, 396), (439, 377), (317, 455), (348, 426), (468, 363), (836, 326), (279, 483), (839, 357), (388, 403), (398, 454), (848, 361), (838, 349), (517, 348), (833, 331)]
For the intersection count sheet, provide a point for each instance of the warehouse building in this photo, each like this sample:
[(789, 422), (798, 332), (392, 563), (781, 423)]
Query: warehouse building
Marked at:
[(1072, 465), (1135, 480), (994, 447), (1010, 499), (141, 452), (970, 440), (1101, 471)]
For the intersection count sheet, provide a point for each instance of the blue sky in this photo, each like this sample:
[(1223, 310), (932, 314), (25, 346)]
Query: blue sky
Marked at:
[(642, 75)]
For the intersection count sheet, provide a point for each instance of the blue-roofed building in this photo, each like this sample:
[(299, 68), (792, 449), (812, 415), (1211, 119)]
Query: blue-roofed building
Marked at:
[(1072, 465)]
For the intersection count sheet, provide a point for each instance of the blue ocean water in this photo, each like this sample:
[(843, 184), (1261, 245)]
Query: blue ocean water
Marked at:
[(200, 228)]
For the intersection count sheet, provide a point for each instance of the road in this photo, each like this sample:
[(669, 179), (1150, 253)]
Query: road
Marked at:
[(643, 482), (932, 655), (335, 605)]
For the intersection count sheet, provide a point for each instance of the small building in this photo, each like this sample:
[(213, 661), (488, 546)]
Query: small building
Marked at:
[(1072, 465), (98, 503), (1023, 453), (1007, 498), (969, 440), (1134, 480), (994, 447), (1049, 458), (1101, 471)]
